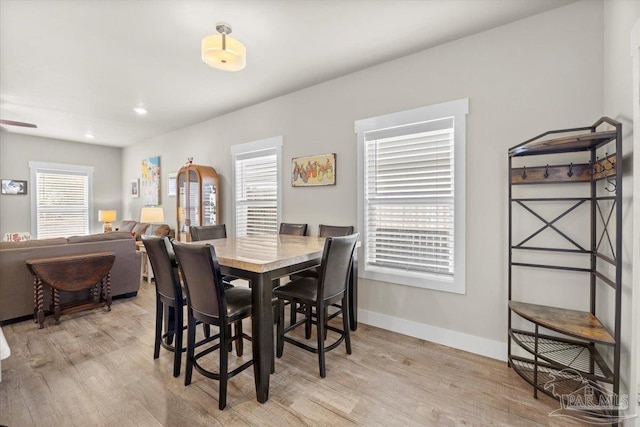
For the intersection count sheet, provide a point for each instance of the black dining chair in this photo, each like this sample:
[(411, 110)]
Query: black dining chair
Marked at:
[(207, 232), (209, 302), (320, 292), (293, 229), (210, 232), (169, 296), (323, 231)]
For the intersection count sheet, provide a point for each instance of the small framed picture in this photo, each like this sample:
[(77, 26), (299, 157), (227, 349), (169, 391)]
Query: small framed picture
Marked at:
[(13, 186), (171, 184), (313, 171), (135, 188)]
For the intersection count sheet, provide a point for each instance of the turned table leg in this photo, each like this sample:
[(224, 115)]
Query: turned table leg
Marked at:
[(107, 290), (39, 300), (55, 296)]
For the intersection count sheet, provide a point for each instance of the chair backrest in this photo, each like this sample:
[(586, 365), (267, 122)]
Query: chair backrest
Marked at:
[(336, 265), (165, 268), (202, 280), (293, 229), (334, 230), (208, 232)]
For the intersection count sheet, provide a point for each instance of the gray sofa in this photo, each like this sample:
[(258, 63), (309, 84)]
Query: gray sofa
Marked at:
[(16, 283)]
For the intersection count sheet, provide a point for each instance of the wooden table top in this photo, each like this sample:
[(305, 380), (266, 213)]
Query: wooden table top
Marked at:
[(264, 253)]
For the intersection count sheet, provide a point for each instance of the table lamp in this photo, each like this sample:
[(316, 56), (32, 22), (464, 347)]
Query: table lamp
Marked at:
[(152, 215), (107, 217)]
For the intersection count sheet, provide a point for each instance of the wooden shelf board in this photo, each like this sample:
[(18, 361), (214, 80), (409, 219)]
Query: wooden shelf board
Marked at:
[(575, 323), (580, 142)]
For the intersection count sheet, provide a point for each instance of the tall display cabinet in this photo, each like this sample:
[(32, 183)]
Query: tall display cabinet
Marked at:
[(565, 249), (198, 198)]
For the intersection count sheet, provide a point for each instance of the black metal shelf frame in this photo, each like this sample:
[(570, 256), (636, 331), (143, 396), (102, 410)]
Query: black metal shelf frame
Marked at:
[(551, 354)]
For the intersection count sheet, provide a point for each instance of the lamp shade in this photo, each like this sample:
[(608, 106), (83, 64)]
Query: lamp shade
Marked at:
[(223, 52), (106, 216), (151, 215)]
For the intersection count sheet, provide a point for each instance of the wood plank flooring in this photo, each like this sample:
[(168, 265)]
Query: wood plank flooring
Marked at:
[(96, 368)]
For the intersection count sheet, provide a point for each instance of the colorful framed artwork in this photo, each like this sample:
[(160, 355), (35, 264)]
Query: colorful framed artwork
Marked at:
[(135, 188), (171, 184), (150, 181), (313, 171), (14, 186)]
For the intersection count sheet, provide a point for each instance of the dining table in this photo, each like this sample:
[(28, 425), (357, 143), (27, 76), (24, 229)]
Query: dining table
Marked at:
[(261, 260)]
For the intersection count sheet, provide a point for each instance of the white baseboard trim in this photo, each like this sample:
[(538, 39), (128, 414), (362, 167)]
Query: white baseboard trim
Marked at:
[(459, 340)]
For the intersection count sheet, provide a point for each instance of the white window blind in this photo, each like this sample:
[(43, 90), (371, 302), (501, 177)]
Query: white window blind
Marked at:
[(61, 200), (410, 197), (256, 192)]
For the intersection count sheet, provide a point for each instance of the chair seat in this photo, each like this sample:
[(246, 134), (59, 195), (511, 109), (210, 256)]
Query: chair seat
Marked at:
[(238, 301), (304, 289), (310, 272)]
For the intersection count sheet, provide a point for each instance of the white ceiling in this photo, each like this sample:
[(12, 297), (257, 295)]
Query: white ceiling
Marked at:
[(77, 66)]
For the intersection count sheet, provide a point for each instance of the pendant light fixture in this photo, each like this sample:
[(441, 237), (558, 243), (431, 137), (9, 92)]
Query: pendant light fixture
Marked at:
[(223, 52)]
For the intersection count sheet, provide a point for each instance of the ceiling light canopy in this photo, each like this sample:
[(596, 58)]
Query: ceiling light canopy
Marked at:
[(223, 52)]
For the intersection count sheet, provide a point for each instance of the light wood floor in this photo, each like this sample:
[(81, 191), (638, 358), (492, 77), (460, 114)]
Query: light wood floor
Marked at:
[(97, 368)]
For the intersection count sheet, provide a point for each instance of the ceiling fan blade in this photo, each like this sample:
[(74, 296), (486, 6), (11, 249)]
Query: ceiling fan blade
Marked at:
[(14, 123)]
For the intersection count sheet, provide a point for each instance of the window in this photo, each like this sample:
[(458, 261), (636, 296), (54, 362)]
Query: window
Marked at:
[(256, 181), (411, 196), (61, 199)]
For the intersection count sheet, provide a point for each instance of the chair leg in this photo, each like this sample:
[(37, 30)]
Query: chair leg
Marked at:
[(326, 321), (225, 340), (320, 331), (307, 326), (239, 343), (191, 343), (177, 352), (280, 328), (207, 330), (156, 344), (293, 314), (229, 343), (345, 324)]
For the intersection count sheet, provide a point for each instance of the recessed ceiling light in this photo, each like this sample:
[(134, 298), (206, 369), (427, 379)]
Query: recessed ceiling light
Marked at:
[(141, 111), (89, 135)]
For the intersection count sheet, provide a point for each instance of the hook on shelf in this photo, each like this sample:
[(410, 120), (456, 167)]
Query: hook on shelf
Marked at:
[(570, 173), (524, 172), (546, 171)]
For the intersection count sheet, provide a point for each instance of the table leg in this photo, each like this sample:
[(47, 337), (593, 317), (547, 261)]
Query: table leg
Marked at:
[(40, 303), (55, 297), (107, 291), (262, 331)]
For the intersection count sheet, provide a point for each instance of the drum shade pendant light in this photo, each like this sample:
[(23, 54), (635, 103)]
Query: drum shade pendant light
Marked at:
[(223, 52)]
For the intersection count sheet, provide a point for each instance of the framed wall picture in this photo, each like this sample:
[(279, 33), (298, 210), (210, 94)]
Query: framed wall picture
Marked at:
[(150, 181), (171, 184), (14, 186), (313, 171), (135, 188)]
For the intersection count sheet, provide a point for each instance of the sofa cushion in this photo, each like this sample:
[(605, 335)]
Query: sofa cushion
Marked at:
[(161, 230), (127, 225), (33, 243), (140, 228), (115, 235)]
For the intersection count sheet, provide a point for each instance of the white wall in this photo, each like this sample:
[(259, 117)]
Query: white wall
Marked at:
[(522, 79), (17, 150), (619, 19)]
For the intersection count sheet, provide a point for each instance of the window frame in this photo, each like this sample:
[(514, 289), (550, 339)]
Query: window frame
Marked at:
[(35, 167), (458, 109), (266, 146)]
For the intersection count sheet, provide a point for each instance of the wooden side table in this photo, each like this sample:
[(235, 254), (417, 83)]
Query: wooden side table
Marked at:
[(71, 273), (145, 266)]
